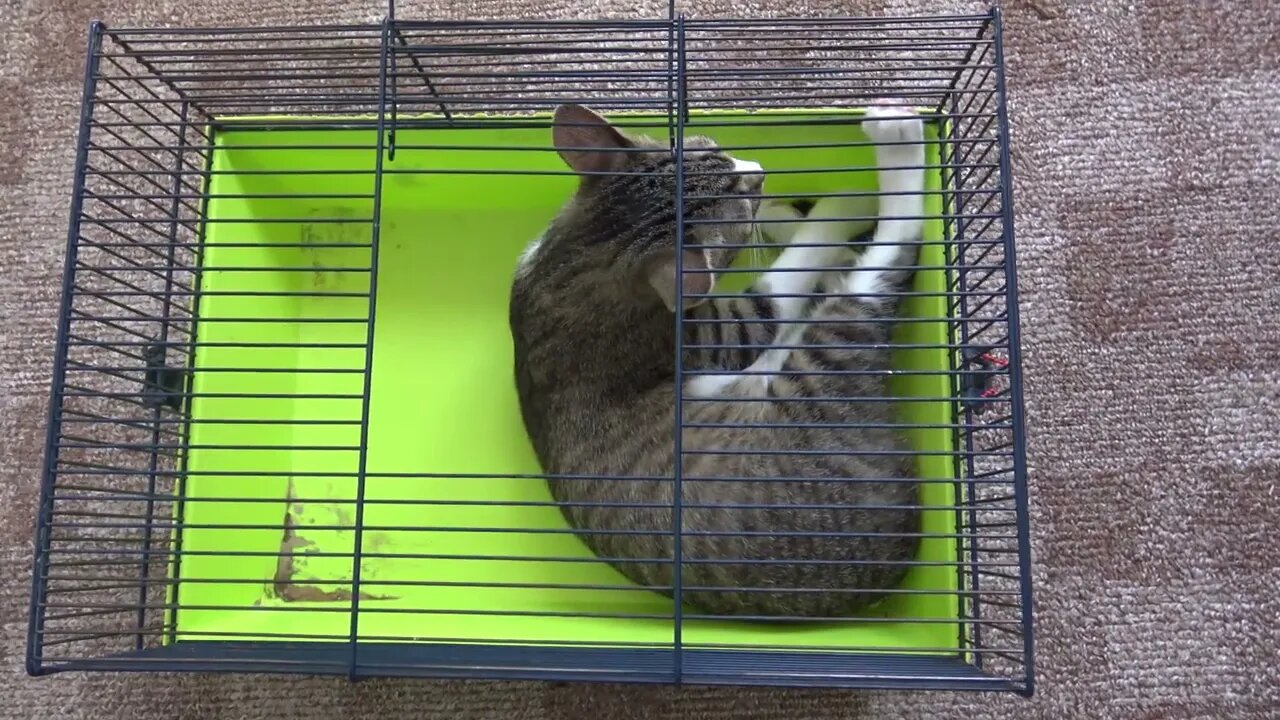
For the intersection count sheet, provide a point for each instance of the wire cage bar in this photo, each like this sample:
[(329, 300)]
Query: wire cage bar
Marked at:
[(264, 454)]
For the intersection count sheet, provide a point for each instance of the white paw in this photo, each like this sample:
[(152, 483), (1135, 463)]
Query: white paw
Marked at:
[(889, 123)]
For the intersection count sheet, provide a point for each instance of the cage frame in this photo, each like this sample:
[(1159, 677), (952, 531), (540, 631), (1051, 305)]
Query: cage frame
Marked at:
[(357, 658)]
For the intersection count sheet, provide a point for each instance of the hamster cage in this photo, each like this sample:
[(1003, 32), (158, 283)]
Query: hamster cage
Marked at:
[(283, 433)]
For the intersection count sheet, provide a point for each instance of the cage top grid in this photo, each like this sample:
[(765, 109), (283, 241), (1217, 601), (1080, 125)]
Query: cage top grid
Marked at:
[(177, 122), (516, 67)]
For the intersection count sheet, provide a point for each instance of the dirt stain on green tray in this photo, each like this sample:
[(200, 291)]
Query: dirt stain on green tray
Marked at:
[(291, 582)]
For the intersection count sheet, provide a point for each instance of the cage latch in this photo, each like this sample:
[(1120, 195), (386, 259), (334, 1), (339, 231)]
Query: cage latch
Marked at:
[(977, 385), (162, 385)]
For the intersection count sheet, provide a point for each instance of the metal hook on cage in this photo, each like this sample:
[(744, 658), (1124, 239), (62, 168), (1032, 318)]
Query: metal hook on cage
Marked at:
[(978, 385), (394, 35), (390, 21), (162, 384), (391, 131)]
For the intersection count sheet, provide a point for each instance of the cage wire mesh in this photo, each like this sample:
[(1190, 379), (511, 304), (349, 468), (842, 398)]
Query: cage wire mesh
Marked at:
[(274, 447)]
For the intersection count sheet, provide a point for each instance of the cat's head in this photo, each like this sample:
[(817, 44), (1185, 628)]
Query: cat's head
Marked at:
[(625, 206)]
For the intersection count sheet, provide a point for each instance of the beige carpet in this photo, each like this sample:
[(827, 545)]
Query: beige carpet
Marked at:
[(1147, 167)]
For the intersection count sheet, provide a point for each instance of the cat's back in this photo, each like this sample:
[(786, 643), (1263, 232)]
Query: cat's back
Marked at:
[(584, 360)]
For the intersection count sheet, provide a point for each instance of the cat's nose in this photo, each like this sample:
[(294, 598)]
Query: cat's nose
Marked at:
[(750, 175)]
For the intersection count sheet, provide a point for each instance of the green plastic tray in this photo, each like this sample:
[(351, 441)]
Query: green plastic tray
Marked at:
[(443, 402)]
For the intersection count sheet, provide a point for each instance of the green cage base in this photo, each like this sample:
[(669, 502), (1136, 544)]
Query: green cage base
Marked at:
[(266, 534)]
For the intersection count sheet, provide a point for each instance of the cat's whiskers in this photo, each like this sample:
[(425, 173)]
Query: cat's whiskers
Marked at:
[(757, 250)]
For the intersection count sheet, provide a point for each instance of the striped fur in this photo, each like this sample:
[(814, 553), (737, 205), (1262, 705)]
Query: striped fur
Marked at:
[(798, 496)]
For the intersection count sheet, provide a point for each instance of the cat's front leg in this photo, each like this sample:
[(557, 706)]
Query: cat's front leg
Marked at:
[(776, 301), (821, 242), (899, 136), (816, 245)]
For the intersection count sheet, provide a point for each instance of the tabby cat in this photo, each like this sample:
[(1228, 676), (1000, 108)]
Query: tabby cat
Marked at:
[(798, 495)]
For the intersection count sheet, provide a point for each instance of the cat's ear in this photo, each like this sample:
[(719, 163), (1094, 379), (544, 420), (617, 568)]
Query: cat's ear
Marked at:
[(587, 142), (666, 281)]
